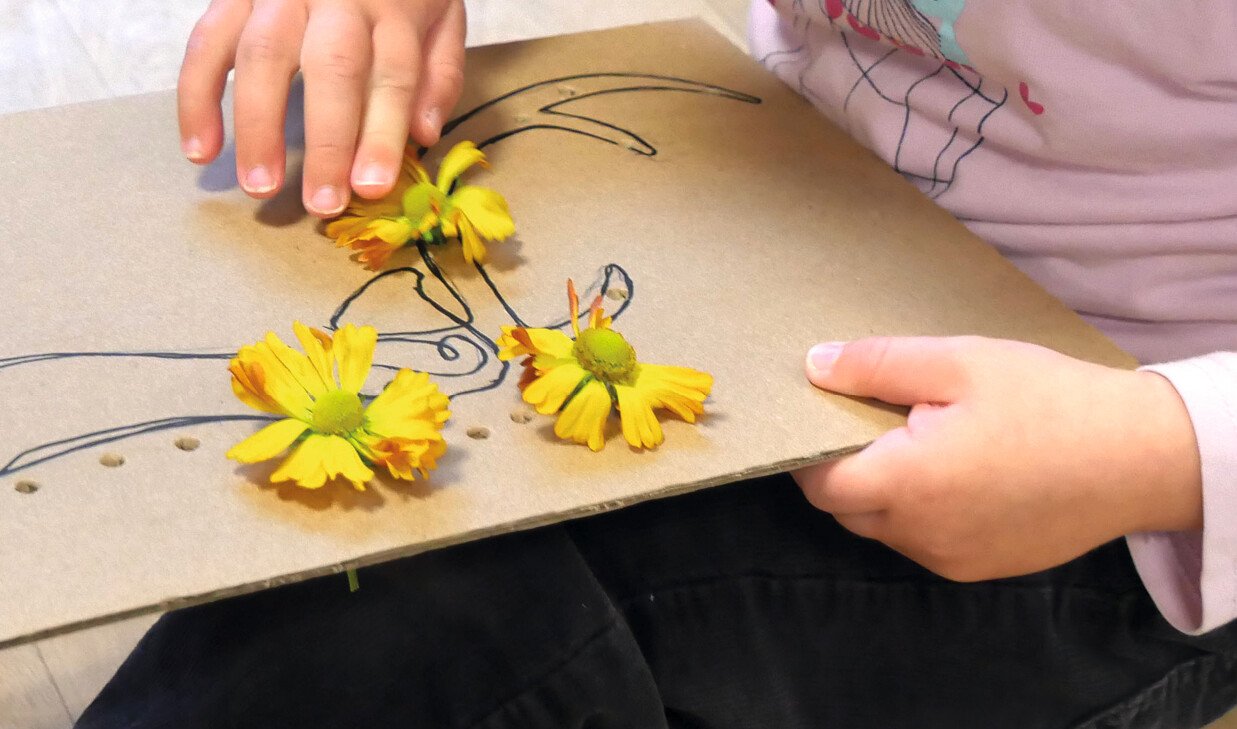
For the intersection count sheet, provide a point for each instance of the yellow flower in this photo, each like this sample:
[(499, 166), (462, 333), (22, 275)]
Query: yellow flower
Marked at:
[(581, 379), (319, 393), (418, 209)]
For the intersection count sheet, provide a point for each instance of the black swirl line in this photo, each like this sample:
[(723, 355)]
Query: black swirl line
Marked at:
[(462, 331)]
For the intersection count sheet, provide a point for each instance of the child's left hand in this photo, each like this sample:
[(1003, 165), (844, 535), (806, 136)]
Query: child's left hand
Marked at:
[(1014, 458)]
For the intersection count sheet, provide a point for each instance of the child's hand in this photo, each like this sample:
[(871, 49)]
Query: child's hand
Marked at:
[(374, 70), (1014, 458)]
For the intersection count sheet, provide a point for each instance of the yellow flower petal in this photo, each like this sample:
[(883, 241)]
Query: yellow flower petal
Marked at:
[(249, 386), (460, 158), (486, 210), (268, 442), (360, 210), (412, 169), (679, 389), (640, 426), (523, 341), (346, 229), (408, 403), (354, 352), (396, 231), (270, 382), (323, 457), (297, 365), (404, 456), (474, 249), (584, 418), (373, 252), (317, 346), (548, 392)]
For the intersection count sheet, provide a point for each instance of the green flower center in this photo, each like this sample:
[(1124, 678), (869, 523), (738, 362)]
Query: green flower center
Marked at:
[(338, 412), (605, 353), (421, 199)]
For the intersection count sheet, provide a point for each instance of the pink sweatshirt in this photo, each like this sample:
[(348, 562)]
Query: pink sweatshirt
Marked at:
[(1095, 145)]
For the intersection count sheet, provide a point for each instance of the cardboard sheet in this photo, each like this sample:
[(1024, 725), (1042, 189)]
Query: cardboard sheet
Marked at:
[(730, 224)]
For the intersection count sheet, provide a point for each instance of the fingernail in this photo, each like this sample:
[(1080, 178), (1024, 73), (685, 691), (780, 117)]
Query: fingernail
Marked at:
[(326, 201), (820, 358), (259, 180), (373, 174), (193, 149)]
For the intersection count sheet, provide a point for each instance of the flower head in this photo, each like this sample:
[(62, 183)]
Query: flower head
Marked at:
[(582, 379), (319, 394), (418, 209)]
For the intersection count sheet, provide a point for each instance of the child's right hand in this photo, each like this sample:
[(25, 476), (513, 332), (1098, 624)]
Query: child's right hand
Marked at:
[(375, 71)]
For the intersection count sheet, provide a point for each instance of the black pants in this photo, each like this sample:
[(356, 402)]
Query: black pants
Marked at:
[(740, 606)]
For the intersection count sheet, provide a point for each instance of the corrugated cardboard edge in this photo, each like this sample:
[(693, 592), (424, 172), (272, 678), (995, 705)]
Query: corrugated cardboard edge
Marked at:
[(392, 554)]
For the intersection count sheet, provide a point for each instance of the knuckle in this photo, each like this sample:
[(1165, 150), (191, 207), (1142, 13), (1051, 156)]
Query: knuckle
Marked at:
[(335, 64), (394, 83), (259, 48), (329, 149), (201, 36), (869, 361), (961, 351)]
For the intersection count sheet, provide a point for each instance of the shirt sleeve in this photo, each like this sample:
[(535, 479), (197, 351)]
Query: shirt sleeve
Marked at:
[(1192, 576)]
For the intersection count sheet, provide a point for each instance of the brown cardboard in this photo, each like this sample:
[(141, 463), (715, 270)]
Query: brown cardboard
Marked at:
[(749, 230)]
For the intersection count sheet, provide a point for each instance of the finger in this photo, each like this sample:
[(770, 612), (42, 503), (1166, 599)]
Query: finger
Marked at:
[(872, 525), (266, 61), (384, 134), (874, 479), (335, 62), (442, 76), (204, 75), (898, 370)]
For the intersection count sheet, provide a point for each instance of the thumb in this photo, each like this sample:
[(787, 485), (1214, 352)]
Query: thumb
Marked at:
[(897, 370)]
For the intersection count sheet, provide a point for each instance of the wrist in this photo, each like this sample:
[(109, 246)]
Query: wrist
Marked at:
[(1166, 457)]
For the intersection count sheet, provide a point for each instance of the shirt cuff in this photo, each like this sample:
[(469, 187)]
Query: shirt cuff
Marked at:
[(1192, 576)]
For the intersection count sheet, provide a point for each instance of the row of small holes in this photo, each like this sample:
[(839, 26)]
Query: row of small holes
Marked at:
[(522, 416), (111, 460), (189, 443)]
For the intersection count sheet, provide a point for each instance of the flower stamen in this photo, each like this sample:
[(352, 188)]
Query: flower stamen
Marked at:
[(338, 412), (574, 301)]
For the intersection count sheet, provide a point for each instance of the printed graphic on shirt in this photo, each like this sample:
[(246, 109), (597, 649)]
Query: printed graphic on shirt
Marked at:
[(942, 107), (905, 23)]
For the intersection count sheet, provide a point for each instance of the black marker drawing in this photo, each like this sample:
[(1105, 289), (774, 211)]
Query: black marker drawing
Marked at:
[(457, 340), (927, 152)]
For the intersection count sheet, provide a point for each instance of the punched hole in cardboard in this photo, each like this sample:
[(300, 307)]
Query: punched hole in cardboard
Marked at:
[(112, 460), (522, 416), (187, 443), (26, 486), (478, 432)]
